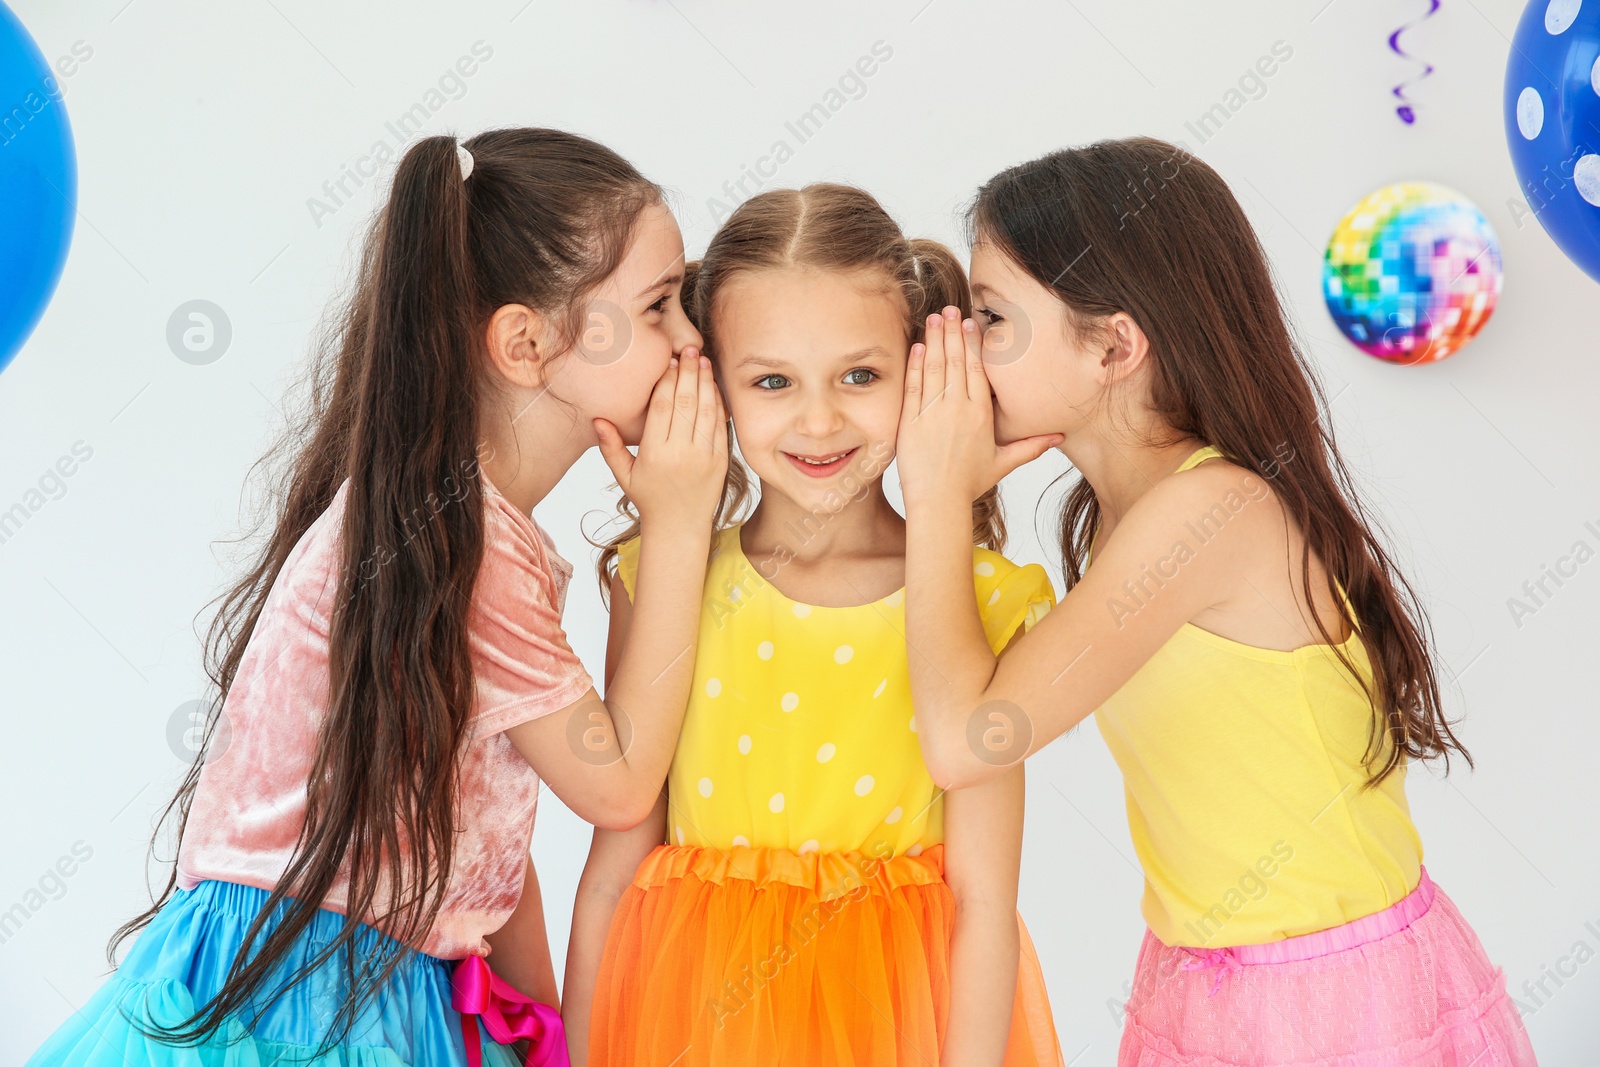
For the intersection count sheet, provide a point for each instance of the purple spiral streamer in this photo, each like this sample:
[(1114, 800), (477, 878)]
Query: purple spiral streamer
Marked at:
[(1407, 115)]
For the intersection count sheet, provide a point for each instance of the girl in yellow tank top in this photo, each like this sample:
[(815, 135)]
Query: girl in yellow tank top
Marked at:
[(804, 894), (1262, 718)]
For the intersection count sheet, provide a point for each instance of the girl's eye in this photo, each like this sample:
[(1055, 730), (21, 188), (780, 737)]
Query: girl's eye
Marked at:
[(761, 381), (661, 305), (989, 317), (870, 376)]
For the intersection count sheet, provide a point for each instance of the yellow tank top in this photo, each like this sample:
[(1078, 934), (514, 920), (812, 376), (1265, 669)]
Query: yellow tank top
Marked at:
[(799, 733), (1242, 768)]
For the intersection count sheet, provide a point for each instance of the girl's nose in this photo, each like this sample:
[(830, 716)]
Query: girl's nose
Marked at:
[(684, 335), (820, 418)]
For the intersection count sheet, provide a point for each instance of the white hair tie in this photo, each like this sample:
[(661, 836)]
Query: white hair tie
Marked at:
[(464, 158)]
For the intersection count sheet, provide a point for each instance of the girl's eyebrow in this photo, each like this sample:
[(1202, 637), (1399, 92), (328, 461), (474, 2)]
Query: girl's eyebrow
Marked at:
[(665, 282), (870, 353), (983, 290), (867, 354)]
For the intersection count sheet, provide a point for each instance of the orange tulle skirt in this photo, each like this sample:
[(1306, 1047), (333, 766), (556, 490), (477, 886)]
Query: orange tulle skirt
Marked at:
[(770, 958)]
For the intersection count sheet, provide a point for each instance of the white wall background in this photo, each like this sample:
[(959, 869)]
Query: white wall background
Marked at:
[(203, 130)]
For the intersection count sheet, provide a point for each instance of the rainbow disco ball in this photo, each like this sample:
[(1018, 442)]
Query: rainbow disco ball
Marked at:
[(1412, 273)]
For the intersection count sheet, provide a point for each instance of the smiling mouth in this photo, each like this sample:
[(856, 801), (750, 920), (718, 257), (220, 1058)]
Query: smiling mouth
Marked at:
[(820, 466)]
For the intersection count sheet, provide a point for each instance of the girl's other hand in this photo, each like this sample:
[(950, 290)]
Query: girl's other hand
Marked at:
[(946, 439), (682, 463)]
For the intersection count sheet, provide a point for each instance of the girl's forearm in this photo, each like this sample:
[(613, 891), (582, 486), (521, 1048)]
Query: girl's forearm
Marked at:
[(950, 659), (651, 685), (519, 951), (984, 952), (614, 858), (592, 910)]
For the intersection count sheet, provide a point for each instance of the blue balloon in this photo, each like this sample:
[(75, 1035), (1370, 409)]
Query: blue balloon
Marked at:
[(38, 184), (1552, 112)]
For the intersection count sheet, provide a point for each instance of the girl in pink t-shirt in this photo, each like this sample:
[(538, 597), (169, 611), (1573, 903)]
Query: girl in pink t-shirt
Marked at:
[(393, 678)]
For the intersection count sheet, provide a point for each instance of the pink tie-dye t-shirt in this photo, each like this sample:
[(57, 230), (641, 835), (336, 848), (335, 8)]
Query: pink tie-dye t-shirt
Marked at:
[(250, 806)]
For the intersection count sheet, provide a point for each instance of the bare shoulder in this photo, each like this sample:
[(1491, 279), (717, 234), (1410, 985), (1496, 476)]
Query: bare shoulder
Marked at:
[(1203, 529), (1251, 549), (1214, 498)]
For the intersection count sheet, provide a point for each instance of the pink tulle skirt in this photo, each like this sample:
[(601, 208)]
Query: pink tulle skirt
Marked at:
[(1407, 987)]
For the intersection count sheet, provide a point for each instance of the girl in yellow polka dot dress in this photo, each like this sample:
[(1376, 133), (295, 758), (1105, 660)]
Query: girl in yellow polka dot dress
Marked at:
[(803, 894)]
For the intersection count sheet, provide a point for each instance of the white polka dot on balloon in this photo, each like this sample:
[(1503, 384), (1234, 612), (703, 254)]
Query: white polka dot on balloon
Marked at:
[(1530, 113), (808, 846), (994, 598), (741, 840), (713, 687), (790, 701), (1586, 176), (878, 692), (705, 787), (986, 569), (802, 610), (1560, 15), (744, 744), (914, 850), (825, 753), (913, 724), (894, 815), (1594, 75), (736, 594), (843, 654), (896, 598), (775, 804), (680, 834), (864, 785), (764, 650)]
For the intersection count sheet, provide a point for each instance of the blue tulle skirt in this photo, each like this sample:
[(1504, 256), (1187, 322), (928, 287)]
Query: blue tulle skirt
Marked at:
[(180, 961)]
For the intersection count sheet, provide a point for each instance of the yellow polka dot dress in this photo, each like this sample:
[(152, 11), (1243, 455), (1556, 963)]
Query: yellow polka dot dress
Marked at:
[(797, 912)]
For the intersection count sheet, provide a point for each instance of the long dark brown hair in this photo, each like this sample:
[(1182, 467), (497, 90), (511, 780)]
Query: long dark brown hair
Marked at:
[(394, 410), (1142, 227), (824, 226)]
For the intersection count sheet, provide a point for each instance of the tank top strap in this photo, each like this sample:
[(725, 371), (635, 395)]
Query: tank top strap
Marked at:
[(1205, 452), (1199, 455)]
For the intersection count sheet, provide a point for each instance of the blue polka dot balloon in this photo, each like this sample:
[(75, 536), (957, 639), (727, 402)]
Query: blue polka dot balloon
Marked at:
[(38, 184), (1552, 113)]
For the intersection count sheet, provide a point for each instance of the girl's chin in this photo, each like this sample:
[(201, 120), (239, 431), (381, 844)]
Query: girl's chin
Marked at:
[(1006, 433), (631, 434)]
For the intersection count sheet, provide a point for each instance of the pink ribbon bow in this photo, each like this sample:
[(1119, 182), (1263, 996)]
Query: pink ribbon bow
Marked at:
[(1204, 958), (477, 992)]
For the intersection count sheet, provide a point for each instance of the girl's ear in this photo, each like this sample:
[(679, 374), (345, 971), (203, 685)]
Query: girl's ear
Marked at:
[(520, 344), (1126, 345)]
